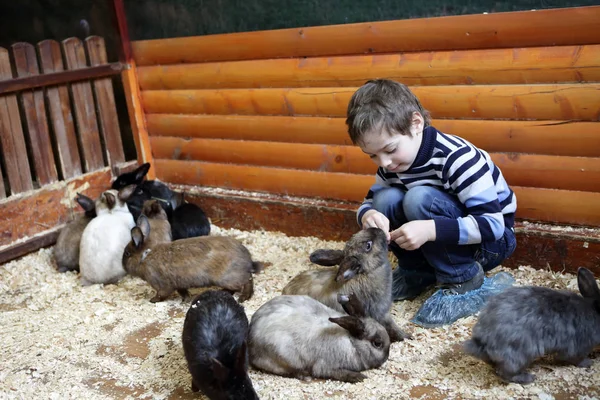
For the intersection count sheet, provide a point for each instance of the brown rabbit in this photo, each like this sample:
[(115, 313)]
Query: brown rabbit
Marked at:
[(159, 226), (66, 250), (190, 263)]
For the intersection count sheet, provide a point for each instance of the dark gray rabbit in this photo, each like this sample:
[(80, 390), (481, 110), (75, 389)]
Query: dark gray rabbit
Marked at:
[(66, 249), (364, 269), (134, 177), (214, 342), (522, 324)]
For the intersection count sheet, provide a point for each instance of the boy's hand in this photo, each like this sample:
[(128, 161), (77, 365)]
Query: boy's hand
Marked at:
[(375, 219), (412, 235)]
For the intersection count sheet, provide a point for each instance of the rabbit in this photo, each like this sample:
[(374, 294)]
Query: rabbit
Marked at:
[(191, 263), (158, 224), (522, 324), (188, 220), (297, 336), (214, 339), (151, 190), (364, 269), (105, 237), (66, 249), (134, 177)]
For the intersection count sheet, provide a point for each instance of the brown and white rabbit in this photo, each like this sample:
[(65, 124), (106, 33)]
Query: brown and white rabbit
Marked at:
[(364, 269), (298, 336), (105, 237), (191, 263), (66, 249), (522, 324), (214, 343)]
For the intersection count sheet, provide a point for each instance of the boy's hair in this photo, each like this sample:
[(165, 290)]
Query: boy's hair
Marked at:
[(382, 104)]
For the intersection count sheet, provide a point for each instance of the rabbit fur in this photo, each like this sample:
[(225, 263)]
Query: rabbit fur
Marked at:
[(66, 249), (522, 324), (105, 237), (191, 263), (298, 336), (364, 269), (214, 341)]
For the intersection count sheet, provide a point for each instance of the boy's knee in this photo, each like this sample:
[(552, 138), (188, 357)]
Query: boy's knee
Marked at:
[(417, 201), (387, 198)]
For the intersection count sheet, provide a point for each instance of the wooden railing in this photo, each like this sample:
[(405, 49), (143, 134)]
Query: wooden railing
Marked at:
[(70, 141)]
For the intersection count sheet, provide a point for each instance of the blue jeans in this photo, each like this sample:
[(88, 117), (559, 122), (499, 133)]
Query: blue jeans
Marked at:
[(450, 263)]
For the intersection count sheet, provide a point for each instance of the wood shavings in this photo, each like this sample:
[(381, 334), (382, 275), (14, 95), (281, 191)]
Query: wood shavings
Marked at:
[(61, 340)]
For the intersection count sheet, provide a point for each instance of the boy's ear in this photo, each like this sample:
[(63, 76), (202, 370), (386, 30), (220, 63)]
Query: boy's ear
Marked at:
[(418, 123)]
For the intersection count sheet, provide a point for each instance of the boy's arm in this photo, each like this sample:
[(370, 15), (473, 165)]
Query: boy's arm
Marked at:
[(470, 174), (367, 203)]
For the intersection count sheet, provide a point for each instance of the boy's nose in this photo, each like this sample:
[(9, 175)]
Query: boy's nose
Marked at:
[(384, 161)]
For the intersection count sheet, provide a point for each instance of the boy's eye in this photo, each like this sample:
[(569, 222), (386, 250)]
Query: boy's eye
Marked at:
[(392, 151), (371, 156)]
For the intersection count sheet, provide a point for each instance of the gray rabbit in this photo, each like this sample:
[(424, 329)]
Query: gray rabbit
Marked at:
[(364, 270), (522, 324), (298, 336)]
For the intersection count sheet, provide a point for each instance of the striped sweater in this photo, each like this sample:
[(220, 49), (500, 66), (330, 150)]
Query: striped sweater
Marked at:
[(455, 166)]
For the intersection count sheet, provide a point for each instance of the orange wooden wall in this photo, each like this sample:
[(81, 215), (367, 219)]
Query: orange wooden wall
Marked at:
[(264, 111)]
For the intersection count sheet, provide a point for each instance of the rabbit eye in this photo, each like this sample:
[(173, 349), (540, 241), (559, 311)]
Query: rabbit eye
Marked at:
[(127, 254), (377, 343), (369, 246)]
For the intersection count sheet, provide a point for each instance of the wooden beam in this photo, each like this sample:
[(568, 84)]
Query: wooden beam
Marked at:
[(554, 172), (59, 78), (547, 102), (553, 27), (558, 64), (132, 89), (535, 137), (549, 205), (19, 249)]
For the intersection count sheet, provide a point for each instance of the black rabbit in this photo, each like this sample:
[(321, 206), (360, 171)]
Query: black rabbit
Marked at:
[(214, 342), (188, 220), (522, 324)]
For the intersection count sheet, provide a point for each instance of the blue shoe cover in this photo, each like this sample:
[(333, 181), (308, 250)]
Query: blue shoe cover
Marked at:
[(443, 308)]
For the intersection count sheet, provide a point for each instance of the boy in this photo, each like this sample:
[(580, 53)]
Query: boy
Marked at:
[(447, 208)]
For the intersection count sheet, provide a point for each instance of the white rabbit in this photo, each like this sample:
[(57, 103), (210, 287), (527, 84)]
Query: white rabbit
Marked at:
[(105, 238)]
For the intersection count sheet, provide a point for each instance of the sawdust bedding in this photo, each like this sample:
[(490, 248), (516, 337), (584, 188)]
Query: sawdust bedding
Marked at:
[(60, 340)]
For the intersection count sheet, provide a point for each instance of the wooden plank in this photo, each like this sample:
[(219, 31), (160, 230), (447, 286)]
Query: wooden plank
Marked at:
[(85, 111), (14, 150), (555, 172), (105, 98), (59, 106), (31, 82), (547, 137), (549, 205), (561, 64), (551, 102), (34, 109), (560, 248), (25, 216), (132, 89), (19, 249), (554, 27)]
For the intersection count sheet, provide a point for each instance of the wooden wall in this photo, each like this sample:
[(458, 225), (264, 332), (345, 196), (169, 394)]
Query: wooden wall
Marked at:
[(264, 111)]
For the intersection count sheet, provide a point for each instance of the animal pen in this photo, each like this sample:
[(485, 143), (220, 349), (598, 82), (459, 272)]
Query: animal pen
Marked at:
[(251, 126)]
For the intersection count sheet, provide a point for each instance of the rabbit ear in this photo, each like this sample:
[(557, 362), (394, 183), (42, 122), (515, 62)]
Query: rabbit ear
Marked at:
[(126, 192), (587, 284), (137, 237), (110, 200), (352, 324), (85, 202), (219, 370), (144, 225), (141, 171), (326, 257), (351, 305), (240, 358)]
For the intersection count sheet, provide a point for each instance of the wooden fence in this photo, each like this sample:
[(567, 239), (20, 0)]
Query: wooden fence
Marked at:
[(70, 138), (264, 111)]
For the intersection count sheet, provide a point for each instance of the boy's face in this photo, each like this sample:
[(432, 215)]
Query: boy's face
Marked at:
[(393, 151)]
